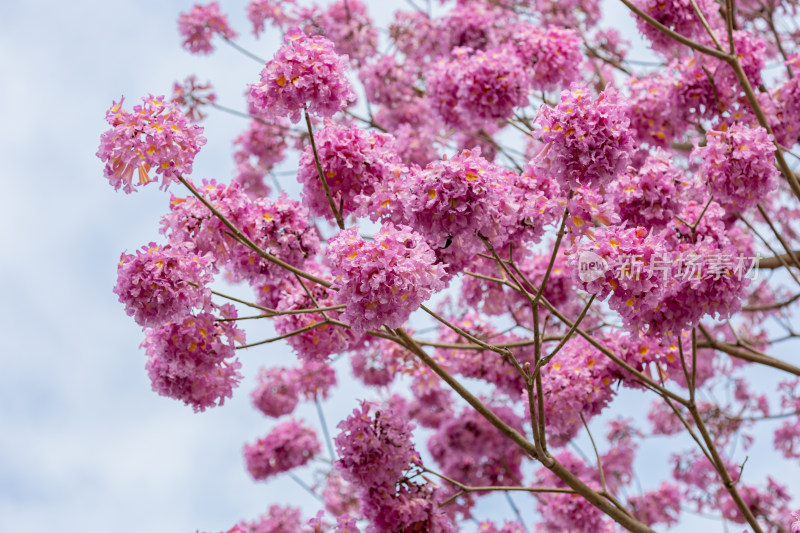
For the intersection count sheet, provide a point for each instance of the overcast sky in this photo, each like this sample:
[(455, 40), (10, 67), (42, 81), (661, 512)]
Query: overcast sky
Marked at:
[(84, 444)]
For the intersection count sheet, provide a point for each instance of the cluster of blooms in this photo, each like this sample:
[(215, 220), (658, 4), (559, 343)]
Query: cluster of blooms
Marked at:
[(382, 281), (714, 289), (319, 338), (549, 55), (633, 289), (277, 519), (652, 195), (198, 25), (738, 164), (475, 25), (279, 227), (387, 83), (568, 512), (375, 451), (587, 206), (679, 16), (348, 25), (654, 117), (338, 495), (378, 361), (467, 447), (787, 436), (587, 142), (785, 100), (156, 135), (163, 283), (478, 364), (353, 162), (508, 527), (662, 505), (288, 445), (474, 89), (266, 144), (260, 11), (702, 486), (191, 96), (578, 380), (454, 202), (305, 73), (193, 360)]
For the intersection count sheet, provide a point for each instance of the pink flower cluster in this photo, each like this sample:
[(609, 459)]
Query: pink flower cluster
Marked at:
[(190, 360), (679, 16), (288, 445), (739, 166), (198, 25), (258, 150), (348, 25), (306, 73), (452, 202), (634, 289), (468, 448), (156, 135), (578, 380), (551, 56), (353, 161), (382, 281), (260, 11), (192, 96), (387, 83), (475, 89), (321, 339), (279, 227), (161, 284), (375, 451), (587, 141), (570, 512), (652, 195), (277, 519)]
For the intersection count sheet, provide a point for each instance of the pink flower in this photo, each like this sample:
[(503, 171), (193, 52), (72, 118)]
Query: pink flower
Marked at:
[(795, 521), (318, 343), (549, 55), (199, 25), (277, 393), (189, 360), (386, 82), (738, 164), (587, 142), (568, 512), (620, 262), (192, 96), (385, 280), (339, 495), (305, 73), (160, 284), (679, 16), (470, 449), (452, 202), (277, 520), (651, 195), (280, 227), (473, 90), (579, 379), (275, 11), (348, 25), (155, 135), (288, 445), (374, 447), (353, 161), (662, 505)]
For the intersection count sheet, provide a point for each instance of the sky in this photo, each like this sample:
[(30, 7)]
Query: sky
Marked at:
[(84, 443)]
